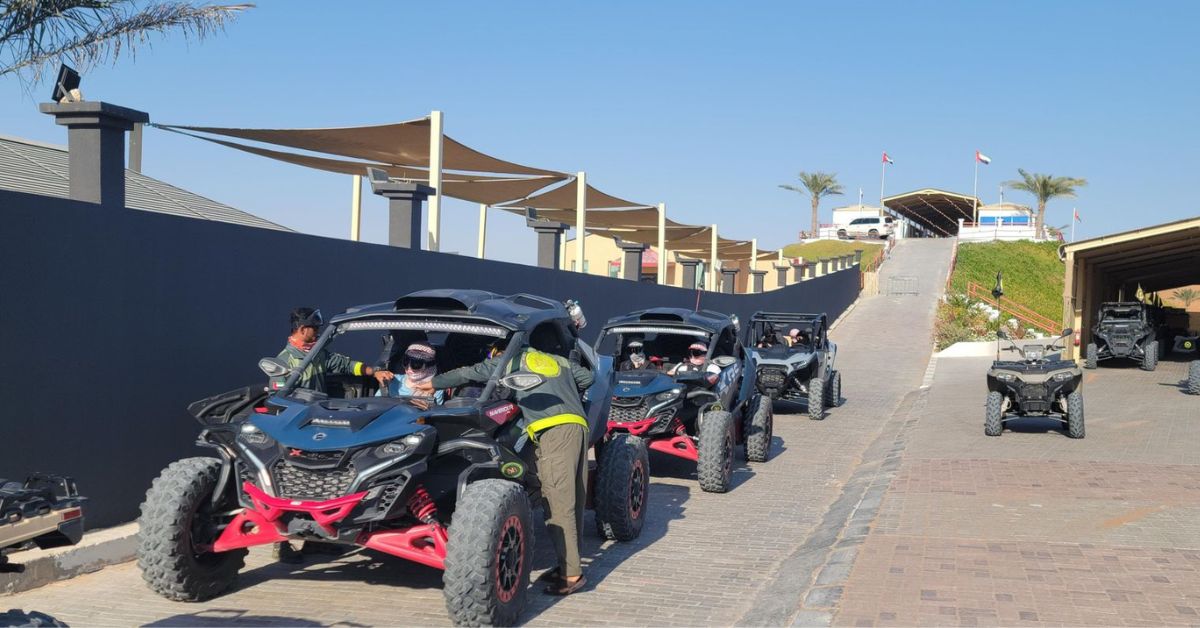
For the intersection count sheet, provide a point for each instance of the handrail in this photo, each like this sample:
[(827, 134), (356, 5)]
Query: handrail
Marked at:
[(1020, 312)]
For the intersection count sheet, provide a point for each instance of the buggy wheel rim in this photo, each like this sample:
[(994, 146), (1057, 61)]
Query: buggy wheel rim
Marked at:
[(510, 558)]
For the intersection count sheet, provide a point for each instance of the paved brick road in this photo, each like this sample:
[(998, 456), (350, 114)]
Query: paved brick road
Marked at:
[(749, 556)]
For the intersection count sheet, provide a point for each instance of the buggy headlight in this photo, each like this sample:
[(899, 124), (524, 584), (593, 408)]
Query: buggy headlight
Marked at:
[(667, 395), (251, 435), (401, 447), (1063, 376), (1006, 377)]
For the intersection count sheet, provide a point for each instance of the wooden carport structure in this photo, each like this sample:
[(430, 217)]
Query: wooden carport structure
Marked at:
[(1114, 267), (937, 211)]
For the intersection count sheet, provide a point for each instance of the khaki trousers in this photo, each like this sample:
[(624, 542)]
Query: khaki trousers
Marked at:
[(562, 469)]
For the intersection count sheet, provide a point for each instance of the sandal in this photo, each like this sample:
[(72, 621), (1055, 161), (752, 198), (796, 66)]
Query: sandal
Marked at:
[(562, 587)]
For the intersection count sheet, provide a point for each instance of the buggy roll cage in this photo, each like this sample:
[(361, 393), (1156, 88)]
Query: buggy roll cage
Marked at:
[(819, 322)]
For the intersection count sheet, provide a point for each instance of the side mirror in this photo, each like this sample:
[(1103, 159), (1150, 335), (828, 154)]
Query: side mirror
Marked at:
[(724, 361), (1003, 335), (522, 380), (274, 367), (1067, 332)]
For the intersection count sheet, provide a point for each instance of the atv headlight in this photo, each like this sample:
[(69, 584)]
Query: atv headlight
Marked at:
[(1006, 377), (401, 447), (1063, 376), (667, 395), (251, 435)]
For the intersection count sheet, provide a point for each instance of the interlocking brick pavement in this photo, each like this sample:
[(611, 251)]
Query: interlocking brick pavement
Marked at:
[(703, 559)]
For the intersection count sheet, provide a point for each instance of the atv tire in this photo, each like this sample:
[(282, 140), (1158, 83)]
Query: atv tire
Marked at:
[(816, 399), (622, 485), (173, 560), (488, 555), (1092, 359), (760, 427), (1193, 380), (993, 422), (833, 396), (1075, 415), (714, 468), (1150, 356)]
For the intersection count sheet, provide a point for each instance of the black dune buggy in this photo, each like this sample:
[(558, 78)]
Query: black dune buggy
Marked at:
[(686, 415), (44, 511), (1126, 330), (800, 368), (1041, 383), (446, 485)]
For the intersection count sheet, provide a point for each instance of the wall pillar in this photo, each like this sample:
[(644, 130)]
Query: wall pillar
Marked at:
[(549, 241), (782, 274), (689, 271), (824, 266), (404, 210), (96, 148), (632, 262), (858, 256), (757, 277), (728, 280)]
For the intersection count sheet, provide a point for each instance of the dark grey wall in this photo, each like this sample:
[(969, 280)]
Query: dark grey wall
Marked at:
[(111, 322)]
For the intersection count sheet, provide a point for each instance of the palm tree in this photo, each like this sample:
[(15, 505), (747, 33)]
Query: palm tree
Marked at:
[(1187, 295), (816, 185), (37, 33), (1044, 187)]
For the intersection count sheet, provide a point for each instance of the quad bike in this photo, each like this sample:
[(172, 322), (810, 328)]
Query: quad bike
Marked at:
[(1040, 384), (448, 486), (687, 415), (799, 370), (45, 511)]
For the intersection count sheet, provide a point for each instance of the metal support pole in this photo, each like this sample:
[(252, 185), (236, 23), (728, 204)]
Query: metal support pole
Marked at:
[(356, 209), (753, 254), (580, 217), (662, 243), (435, 180), (975, 192), (479, 249), (710, 276), (135, 147)]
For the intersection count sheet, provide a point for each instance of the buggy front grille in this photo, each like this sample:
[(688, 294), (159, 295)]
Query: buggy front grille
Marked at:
[(626, 409), (313, 484), (772, 377)]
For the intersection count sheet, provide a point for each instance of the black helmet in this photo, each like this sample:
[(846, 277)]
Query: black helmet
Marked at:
[(306, 317)]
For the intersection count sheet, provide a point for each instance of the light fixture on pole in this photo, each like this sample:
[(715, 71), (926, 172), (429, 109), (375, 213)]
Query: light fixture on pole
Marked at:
[(66, 86)]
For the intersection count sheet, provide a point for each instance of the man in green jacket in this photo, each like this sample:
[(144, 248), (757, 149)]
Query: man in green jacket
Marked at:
[(553, 417), (306, 324)]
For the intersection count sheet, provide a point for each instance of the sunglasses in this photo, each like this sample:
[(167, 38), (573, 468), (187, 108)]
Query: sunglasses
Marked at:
[(418, 364), (696, 353)]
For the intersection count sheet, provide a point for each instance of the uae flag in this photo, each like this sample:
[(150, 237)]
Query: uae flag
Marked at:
[(886, 159), (1077, 218), (983, 159)]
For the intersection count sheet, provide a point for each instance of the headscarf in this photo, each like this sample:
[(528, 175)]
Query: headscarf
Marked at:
[(420, 351)]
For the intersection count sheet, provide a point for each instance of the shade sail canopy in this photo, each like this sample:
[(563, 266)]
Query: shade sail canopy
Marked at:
[(936, 210), (563, 197), (398, 144), (468, 187)]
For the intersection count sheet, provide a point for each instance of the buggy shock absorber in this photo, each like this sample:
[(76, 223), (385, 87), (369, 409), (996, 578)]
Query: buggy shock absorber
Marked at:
[(422, 506)]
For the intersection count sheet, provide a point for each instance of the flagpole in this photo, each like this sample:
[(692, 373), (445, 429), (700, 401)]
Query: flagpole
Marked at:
[(882, 178), (975, 191), (1074, 213)]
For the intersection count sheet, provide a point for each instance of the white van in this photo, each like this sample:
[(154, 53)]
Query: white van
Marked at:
[(871, 227)]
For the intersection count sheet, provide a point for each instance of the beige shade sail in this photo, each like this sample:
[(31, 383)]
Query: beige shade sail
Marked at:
[(398, 144), (468, 187), (563, 197)]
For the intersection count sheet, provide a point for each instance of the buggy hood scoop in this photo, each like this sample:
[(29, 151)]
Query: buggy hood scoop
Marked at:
[(340, 423), (638, 383)]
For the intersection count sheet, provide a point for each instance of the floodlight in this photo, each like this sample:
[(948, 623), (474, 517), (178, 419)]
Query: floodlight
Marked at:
[(66, 86)]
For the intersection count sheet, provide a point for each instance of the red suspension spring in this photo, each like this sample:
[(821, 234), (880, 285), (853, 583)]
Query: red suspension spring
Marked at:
[(678, 427), (421, 505)]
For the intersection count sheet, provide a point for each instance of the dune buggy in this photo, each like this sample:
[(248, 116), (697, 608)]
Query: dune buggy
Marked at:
[(795, 367), (446, 485), (1041, 383), (1126, 330), (685, 415), (44, 511)]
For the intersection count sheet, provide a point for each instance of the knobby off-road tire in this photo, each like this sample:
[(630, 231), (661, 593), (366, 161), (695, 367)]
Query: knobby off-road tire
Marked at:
[(1150, 356), (1091, 360), (1193, 380), (816, 399), (833, 394), (488, 555), (760, 428), (173, 535), (714, 469), (1075, 415), (993, 422), (622, 488)]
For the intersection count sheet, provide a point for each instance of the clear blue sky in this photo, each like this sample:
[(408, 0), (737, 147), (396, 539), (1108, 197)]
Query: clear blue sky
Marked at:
[(704, 106)]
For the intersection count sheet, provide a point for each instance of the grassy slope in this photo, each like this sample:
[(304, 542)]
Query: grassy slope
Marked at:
[(1033, 275), (827, 248)]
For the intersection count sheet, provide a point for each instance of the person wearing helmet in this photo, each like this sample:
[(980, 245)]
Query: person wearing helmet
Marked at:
[(697, 361), (636, 359), (420, 365), (553, 418), (306, 323)]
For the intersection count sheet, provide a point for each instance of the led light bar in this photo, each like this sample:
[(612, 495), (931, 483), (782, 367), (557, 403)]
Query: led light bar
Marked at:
[(658, 330), (426, 325)]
